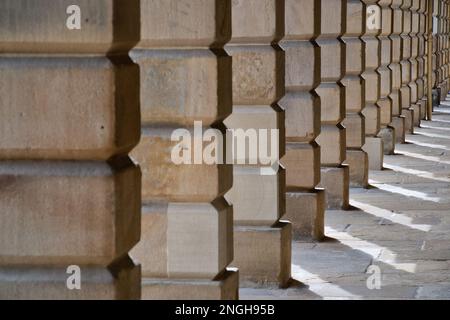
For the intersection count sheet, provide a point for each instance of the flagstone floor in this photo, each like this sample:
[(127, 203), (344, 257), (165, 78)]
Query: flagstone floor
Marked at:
[(399, 227)]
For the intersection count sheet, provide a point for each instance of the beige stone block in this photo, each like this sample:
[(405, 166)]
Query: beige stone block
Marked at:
[(372, 55), (385, 81), (302, 61), (41, 26), (358, 162), (184, 23), (263, 254), (372, 114), (199, 239), (423, 108), (82, 99), (186, 240), (258, 74), (416, 115), (355, 130), (302, 163), (372, 85), (302, 116), (386, 18), (396, 77), (183, 86), (258, 195), (354, 93), (306, 212), (388, 136), (385, 111), (163, 180), (409, 120), (374, 148), (332, 99), (333, 143), (385, 51), (299, 19), (336, 182), (353, 56), (331, 54), (395, 98), (405, 66), (225, 287), (354, 18), (73, 212), (256, 20), (120, 281), (399, 124), (331, 17)]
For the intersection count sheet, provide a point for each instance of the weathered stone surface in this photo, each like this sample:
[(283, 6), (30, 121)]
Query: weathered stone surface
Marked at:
[(120, 281), (336, 183), (302, 163), (263, 201), (374, 148), (59, 221), (83, 99), (306, 212), (358, 162), (265, 254), (225, 287), (41, 27)]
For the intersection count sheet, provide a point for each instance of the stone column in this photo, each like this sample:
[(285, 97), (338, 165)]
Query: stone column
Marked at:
[(69, 196), (262, 241), (387, 131), (305, 203), (405, 63), (185, 89), (415, 105), (335, 175), (355, 122), (398, 120), (422, 59), (372, 111)]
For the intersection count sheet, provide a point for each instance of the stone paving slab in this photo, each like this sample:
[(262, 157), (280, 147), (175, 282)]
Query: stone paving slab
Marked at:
[(400, 225)]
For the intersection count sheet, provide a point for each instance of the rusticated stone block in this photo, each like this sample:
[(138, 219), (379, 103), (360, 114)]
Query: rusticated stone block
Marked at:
[(185, 23), (256, 75), (388, 136), (173, 245), (224, 287), (258, 198), (336, 183), (91, 103), (187, 78), (354, 93), (332, 141), (264, 255), (120, 281), (30, 26), (399, 125), (302, 163), (59, 221), (372, 114), (374, 148), (385, 111), (163, 180), (332, 99), (358, 162), (355, 130), (302, 116), (306, 212)]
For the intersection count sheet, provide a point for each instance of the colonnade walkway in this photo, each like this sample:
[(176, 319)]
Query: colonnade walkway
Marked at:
[(399, 226)]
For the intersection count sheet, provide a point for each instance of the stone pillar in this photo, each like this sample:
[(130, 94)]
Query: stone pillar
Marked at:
[(398, 120), (372, 111), (69, 196), (387, 131), (262, 241), (335, 175), (405, 63), (185, 89), (355, 122), (415, 105), (422, 59), (305, 203)]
